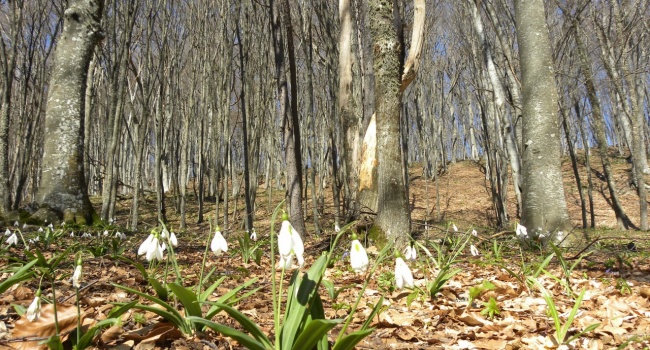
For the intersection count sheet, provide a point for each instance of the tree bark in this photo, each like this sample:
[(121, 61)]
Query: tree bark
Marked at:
[(63, 187), (393, 216), (544, 205)]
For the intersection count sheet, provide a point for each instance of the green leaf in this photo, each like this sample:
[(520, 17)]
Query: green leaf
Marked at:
[(351, 340), (206, 293), (187, 298), (246, 340), (121, 310), (171, 314), (87, 338), (137, 265), (21, 275), (314, 332), (229, 298), (586, 330), (375, 311), (173, 317), (161, 291), (299, 303), (247, 324), (53, 343)]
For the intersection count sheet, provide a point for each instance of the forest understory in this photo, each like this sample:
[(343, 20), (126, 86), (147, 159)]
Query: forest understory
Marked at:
[(497, 295)]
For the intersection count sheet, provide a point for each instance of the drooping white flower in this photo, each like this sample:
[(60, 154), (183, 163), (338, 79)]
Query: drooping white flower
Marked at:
[(474, 233), (76, 277), (473, 250), (454, 227), (154, 250), (105, 233), (173, 240), (7, 232), (358, 256), (12, 240), (403, 274), (51, 226), (16, 223), (37, 239), (521, 231), (337, 229), (163, 234), (120, 235), (34, 310), (145, 245), (560, 235), (290, 242), (24, 225), (410, 253), (219, 244), (253, 236), (71, 234), (285, 263), (40, 229), (163, 246)]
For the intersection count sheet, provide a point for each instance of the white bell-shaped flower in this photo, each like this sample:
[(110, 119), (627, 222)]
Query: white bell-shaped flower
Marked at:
[(521, 231), (253, 236), (16, 223), (473, 250), (76, 276), (219, 244), (358, 256), (454, 227), (173, 240), (145, 245), (34, 310), (410, 253), (7, 232), (290, 242), (154, 250), (12, 240), (403, 274), (40, 229)]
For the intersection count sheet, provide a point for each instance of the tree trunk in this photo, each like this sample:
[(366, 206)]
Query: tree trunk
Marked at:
[(544, 205), (393, 217), (63, 186)]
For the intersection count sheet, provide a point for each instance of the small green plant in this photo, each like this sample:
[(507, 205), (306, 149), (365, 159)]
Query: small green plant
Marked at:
[(497, 250), (250, 248), (475, 291), (139, 318), (623, 287), (490, 308), (385, 282), (446, 256), (561, 330)]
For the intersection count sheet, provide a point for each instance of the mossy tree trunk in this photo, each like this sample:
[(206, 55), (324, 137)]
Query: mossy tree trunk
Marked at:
[(62, 193)]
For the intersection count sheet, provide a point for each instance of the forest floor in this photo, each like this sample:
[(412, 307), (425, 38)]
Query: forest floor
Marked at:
[(612, 269)]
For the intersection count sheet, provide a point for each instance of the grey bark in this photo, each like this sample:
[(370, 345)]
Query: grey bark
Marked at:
[(63, 190), (544, 205)]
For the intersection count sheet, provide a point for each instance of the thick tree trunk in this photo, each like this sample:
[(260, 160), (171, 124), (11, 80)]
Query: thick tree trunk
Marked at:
[(544, 205), (63, 186), (393, 217)]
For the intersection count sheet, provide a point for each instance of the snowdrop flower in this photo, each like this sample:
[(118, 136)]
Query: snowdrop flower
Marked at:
[(7, 232), (253, 236), (560, 235), (410, 253), (474, 233), (120, 235), (87, 235), (145, 245), (51, 226), (71, 234), (473, 250), (521, 231), (337, 229), (454, 227), (219, 244), (154, 250), (24, 225), (12, 240), (40, 229), (289, 242), (34, 310), (285, 263), (173, 240), (16, 223), (403, 274), (37, 239), (163, 234), (30, 241), (77, 275), (358, 256), (105, 233)]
